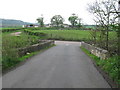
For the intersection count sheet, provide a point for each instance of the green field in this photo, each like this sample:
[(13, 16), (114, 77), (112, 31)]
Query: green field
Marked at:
[(80, 35), (72, 35)]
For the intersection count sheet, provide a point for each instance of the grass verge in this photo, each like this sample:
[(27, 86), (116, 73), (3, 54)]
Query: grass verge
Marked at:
[(24, 59), (110, 66), (33, 53)]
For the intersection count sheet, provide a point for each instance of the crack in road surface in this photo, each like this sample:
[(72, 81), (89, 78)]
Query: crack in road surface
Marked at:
[(62, 66)]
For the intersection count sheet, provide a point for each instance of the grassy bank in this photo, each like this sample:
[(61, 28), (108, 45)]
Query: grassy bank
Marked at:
[(23, 59), (110, 66), (10, 45)]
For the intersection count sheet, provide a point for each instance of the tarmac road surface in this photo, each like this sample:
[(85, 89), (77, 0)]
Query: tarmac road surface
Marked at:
[(62, 66)]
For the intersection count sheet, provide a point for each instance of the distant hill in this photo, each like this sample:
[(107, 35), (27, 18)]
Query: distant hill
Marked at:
[(12, 23)]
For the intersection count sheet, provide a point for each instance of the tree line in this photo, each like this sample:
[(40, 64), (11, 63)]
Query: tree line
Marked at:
[(58, 21)]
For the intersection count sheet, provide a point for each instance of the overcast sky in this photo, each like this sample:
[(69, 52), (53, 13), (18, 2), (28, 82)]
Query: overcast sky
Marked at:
[(30, 10)]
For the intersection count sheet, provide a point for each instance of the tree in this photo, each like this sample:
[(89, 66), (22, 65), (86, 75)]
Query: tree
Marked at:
[(118, 29), (103, 16), (57, 20), (79, 22), (116, 25), (73, 20), (40, 21), (107, 14)]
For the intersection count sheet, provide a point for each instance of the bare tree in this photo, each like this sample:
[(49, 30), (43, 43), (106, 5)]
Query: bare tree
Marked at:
[(103, 16)]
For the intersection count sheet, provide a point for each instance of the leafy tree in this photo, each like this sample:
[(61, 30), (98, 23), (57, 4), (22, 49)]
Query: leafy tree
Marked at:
[(40, 21), (57, 20), (73, 20)]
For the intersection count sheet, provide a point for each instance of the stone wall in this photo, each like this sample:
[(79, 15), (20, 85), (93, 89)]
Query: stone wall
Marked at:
[(35, 47), (101, 53)]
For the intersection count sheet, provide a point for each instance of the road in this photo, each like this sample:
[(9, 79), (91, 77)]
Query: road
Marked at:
[(62, 66)]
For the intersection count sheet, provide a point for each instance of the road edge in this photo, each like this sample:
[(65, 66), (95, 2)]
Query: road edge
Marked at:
[(26, 60), (103, 73)]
